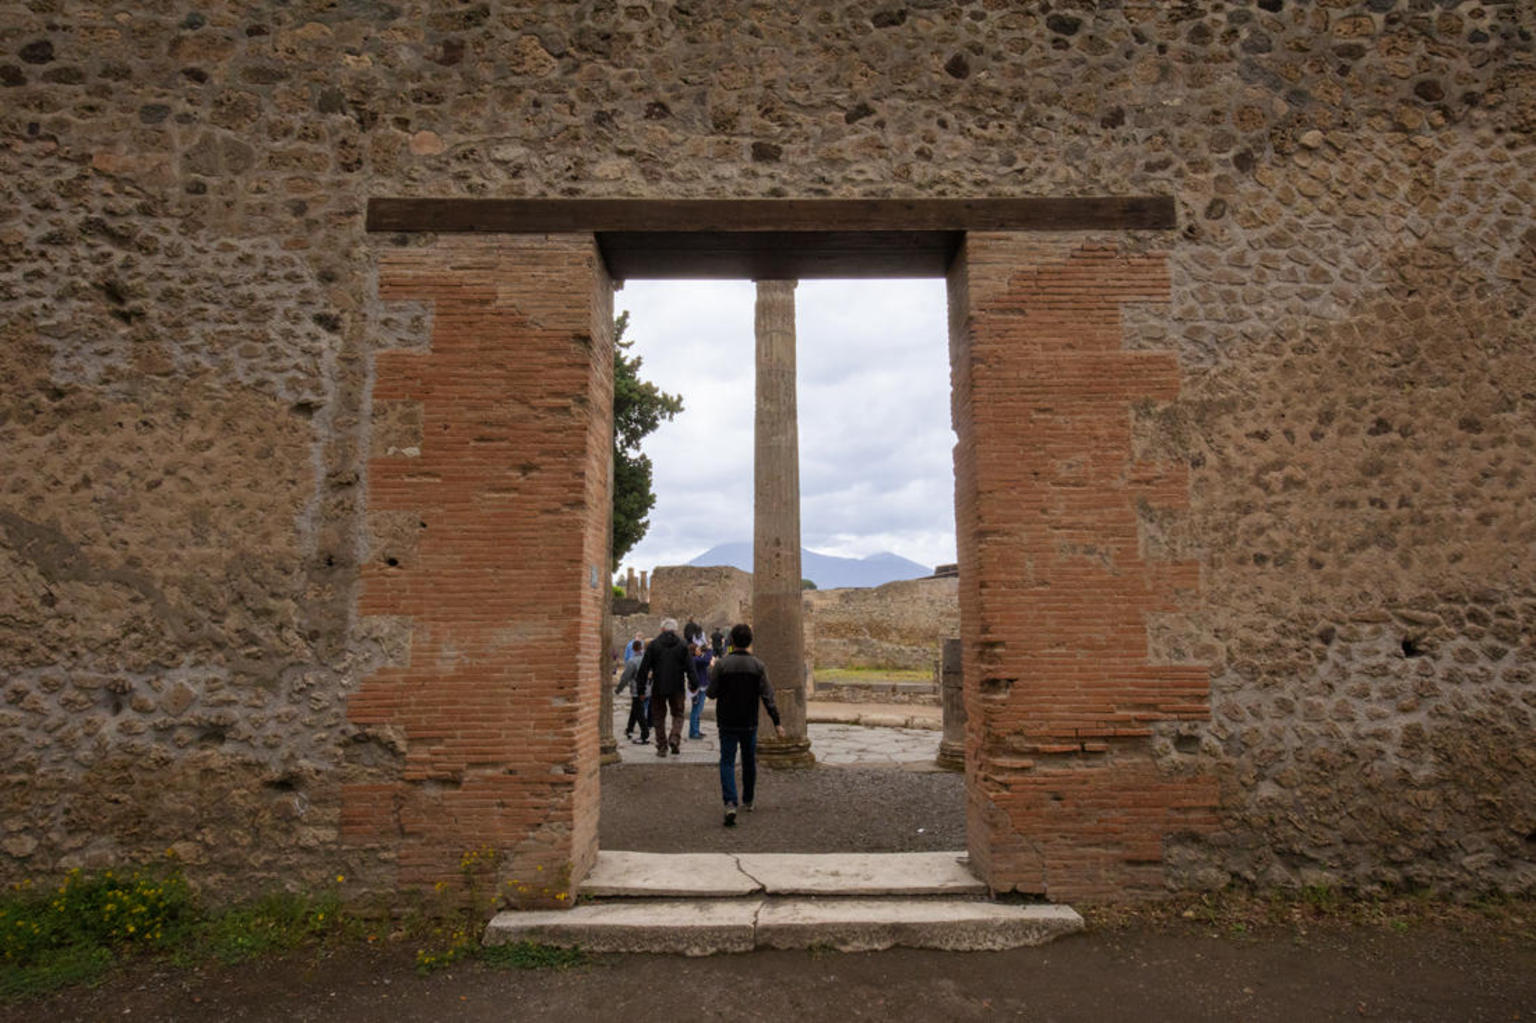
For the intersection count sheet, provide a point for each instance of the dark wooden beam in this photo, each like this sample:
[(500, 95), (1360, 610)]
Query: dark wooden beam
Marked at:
[(554, 216), (776, 255), (772, 238)]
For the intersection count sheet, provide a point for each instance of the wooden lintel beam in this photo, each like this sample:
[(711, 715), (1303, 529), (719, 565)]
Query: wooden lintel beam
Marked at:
[(557, 216)]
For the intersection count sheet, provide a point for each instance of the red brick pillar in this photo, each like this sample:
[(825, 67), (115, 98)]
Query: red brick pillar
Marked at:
[(1064, 796), (489, 542)]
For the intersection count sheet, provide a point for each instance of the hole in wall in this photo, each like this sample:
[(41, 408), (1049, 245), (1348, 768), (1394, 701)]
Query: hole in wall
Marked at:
[(1412, 647)]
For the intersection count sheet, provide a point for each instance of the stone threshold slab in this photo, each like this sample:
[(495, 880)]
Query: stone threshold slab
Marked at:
[(868, 925), (706, 926), (925, 873), (701, 875), (667, 875), (690, 927)]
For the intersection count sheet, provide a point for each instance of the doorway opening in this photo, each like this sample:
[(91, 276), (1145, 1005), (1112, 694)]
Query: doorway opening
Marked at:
[(496, 433), (878, 552)]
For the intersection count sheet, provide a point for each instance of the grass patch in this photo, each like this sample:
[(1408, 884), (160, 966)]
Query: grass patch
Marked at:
[(530, 955), (831, 676), (72, 932), (52, 969), (75, 931), (280, 922)]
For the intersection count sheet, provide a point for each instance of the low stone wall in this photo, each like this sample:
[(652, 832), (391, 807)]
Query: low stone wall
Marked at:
[(898, 625)]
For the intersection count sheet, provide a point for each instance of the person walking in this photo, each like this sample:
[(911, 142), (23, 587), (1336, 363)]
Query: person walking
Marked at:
[(666, 670), (717, 642), (737, 682), (702, 656), (639, 709)]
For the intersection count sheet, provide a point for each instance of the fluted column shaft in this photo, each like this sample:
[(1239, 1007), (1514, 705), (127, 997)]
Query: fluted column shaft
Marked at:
[(776, 597)]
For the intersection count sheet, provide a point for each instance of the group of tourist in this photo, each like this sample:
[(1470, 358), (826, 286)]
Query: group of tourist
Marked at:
[(669, 670)]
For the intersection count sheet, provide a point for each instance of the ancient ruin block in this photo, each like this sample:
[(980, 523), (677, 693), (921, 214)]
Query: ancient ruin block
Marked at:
[(1054, 585), (497, 704)]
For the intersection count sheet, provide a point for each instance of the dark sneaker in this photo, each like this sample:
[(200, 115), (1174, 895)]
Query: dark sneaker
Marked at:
[(674, 749), (747, 807), (730, 816), (661, 751)]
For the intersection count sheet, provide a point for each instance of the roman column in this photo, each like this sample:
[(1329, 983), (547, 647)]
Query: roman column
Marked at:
[(778, 640)]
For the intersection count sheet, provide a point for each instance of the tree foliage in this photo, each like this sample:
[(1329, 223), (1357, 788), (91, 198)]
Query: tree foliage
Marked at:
[(639, 407)]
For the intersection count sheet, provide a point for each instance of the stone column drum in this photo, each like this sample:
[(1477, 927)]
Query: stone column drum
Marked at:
[(776, 624), (952, 693)]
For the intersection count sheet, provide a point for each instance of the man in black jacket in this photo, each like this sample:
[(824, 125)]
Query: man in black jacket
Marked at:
[(737, 682), (667, 667)]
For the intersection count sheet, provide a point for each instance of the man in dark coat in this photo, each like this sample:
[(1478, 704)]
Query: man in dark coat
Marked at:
[(737, 682), (667, 669)]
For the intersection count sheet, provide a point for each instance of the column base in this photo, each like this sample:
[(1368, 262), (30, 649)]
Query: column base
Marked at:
[(785, 753), (608, 751), (951, 756)]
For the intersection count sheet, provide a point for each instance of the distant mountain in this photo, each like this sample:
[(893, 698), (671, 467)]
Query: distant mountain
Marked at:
[(825, 570)]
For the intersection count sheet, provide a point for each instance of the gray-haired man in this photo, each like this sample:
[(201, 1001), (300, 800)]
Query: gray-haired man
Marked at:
[(667, 667)]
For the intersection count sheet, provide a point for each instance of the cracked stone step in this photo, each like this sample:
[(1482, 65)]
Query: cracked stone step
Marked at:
[(690, 927), (867, 925), (667, 875), (698, 875), (696, 927)]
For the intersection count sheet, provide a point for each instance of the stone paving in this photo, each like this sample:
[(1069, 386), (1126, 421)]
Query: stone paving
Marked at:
[(835, 743)]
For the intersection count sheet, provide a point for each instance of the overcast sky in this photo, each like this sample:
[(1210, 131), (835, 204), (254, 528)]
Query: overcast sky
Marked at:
[(876, 450)]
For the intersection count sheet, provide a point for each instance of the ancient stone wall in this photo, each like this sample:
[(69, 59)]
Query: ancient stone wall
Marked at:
[(714, 596), (898, 625), (190, 307)]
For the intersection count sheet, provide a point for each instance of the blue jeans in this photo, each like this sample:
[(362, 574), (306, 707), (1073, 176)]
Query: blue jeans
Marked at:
[(730, 738), (693, 715)]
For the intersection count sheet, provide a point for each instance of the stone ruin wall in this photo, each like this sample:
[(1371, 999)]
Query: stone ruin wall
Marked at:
[(898, 625), (189, 320)]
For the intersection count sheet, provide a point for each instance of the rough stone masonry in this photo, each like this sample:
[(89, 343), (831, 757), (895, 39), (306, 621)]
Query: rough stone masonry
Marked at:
[(1313, 518)]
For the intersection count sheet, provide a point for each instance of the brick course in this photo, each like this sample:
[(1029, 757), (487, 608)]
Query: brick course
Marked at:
[(508, 490), (1055, 588)]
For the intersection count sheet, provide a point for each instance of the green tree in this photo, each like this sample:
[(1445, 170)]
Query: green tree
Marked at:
[(639, 407)]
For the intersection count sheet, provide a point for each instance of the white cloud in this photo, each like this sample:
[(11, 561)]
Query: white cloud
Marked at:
[(873, 392)]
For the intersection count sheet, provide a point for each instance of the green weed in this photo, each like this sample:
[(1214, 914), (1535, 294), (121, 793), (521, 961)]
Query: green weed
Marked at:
[(278, 922), (857, 673), (530, 955), (70, 932), (54, 968)]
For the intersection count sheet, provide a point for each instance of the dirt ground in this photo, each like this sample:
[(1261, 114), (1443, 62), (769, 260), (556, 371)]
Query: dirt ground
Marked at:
[(1144, 965), (1141, 973), (676, 808)]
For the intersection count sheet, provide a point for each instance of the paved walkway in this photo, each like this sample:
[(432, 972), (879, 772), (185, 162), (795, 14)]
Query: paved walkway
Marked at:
[(834, 740)]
